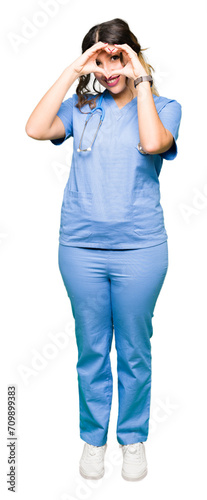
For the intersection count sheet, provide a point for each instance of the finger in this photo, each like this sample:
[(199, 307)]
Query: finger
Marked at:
[(105, 74), (117, 72), (123, 45), (97, 69), (107, 49), (127, 49), (97, 51), (101, 72), (124, 50), (92, 51), (98, 46)]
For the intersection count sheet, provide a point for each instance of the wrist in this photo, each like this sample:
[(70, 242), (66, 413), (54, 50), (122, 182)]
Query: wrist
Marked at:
[(74, 74), (140, 73), (145, 84), (144, 79)]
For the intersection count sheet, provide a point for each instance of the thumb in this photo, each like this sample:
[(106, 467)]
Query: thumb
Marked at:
[(104, 73), (117, 72)]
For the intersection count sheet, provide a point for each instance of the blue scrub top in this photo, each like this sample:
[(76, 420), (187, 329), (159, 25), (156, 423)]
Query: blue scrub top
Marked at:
[(112, 197)]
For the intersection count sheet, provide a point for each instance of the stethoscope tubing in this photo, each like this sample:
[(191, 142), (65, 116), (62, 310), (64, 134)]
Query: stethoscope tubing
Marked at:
[(100, 108)]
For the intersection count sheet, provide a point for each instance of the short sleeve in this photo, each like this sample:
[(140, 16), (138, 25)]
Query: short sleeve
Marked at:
[(65, 113), (170, 116)]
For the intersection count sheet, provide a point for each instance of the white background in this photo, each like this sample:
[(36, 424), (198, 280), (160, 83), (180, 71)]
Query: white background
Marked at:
[(35, 309)]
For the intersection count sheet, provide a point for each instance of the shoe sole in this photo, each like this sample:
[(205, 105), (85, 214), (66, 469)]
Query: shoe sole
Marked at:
[(131, 478), (87, 476)]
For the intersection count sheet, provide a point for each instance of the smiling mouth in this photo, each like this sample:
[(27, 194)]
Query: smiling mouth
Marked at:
[(113, 78)]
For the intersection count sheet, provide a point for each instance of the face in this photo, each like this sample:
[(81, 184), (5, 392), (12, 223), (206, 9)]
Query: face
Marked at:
[(109, 63)]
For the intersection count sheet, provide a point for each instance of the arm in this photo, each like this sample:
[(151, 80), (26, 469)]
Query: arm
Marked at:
[(43, 122), (154, 137)]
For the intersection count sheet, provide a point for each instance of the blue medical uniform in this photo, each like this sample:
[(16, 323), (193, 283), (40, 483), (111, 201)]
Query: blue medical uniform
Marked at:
[(113, 258), (112, 197)]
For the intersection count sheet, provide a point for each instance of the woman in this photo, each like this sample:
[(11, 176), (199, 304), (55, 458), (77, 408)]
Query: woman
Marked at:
[(113, 250)]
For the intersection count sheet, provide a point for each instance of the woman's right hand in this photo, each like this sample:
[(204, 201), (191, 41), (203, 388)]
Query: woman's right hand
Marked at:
[(86, 63), (43, 123)]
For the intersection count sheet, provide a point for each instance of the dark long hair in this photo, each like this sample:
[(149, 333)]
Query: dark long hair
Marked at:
[(115, 31)]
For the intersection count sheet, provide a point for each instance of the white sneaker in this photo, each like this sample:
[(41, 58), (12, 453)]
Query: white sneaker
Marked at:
[(134, 461), (91, 465)]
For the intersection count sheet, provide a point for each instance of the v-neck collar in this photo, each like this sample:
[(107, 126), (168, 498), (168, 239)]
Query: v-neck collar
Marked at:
[(118, 112), (108, 98)]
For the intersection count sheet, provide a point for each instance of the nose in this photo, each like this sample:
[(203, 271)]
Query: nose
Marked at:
[(108, 66)]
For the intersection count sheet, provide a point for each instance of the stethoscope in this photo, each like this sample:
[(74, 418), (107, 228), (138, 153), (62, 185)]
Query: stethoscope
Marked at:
[(100, 122)]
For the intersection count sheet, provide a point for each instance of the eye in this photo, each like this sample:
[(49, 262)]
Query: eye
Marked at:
[(112, 57)]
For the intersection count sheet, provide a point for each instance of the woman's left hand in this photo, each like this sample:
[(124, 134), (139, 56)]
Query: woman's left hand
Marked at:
[(132, 65)]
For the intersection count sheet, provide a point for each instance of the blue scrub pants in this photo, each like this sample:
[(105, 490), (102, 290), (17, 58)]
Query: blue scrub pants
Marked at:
[(113, 290)]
